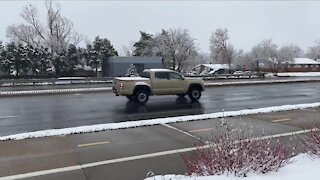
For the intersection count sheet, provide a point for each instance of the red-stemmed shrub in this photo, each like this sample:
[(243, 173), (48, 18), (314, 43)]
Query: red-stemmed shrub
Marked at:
[(233, 154), (311, 143)]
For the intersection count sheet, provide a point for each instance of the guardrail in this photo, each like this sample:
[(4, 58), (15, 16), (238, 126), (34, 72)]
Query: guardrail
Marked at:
[(55, 81)]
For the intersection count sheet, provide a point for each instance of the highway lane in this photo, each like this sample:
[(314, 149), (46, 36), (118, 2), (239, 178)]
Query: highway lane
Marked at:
[(31, 113)]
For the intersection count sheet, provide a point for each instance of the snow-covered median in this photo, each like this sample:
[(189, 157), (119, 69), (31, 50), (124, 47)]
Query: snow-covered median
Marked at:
[(131, 124), (303, 167), (299, 74)]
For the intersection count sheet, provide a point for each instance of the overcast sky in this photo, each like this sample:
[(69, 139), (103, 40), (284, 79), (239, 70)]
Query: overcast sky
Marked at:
[(248, 22)]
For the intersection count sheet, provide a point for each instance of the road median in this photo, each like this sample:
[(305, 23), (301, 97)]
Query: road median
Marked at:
[(6, 93)]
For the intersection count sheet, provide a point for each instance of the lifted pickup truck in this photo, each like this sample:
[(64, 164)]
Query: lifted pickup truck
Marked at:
[(157, 82)]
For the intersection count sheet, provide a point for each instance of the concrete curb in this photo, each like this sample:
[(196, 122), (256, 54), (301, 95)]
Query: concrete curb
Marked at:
[(109, 89)]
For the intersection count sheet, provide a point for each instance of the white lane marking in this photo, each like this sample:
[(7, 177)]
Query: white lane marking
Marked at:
[(138, 157), (280, 120), (93, 144), (4, 117), (183, 132)]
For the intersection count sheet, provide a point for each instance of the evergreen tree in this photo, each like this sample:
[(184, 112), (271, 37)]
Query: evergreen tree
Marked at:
[(144, 46), (14, 58), (59, 63), (26, 63), (2, 56), (100, 50), (72, 58), (6, 60)]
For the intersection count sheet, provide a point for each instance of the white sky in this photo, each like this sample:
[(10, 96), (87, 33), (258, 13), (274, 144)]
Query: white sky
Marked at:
[(248, 22)]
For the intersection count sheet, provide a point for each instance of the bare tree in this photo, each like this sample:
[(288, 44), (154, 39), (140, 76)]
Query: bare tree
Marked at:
[(56, 34), (276, 58), (177, 48), (314, 51), (222, 51), (127, 50), (288, 53), (267, 51), (245, 60)]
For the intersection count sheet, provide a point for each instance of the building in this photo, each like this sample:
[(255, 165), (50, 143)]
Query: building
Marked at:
[(118, 66), (302, 65)]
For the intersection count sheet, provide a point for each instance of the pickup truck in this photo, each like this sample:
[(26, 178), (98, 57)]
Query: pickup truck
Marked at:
[(157, 82)]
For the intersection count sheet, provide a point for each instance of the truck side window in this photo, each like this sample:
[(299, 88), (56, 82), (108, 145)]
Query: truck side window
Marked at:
[(161, 75), (175, 76)]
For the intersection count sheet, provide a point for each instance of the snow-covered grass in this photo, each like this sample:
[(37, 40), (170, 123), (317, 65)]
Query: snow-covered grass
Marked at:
[(131, 124), (303, 167)]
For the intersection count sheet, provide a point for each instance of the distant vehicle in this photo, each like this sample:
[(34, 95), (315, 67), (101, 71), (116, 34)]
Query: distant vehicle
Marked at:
[(219, 72), (157, 82), (239, 73)]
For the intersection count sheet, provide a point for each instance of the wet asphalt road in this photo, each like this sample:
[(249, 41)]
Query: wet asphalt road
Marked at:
[(31, 113)]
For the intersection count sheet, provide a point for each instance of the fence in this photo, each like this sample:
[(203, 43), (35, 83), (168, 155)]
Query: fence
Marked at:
[(55, 81)]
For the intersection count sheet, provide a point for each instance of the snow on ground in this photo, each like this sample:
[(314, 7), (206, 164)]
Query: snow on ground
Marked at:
[(303, 167), (299, 74), (130, 124)]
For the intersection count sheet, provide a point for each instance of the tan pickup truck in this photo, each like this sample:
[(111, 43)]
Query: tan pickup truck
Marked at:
[(157, 82)]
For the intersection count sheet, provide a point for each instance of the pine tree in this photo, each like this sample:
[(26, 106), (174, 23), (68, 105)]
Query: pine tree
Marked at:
[(144, 46), (100, 50)]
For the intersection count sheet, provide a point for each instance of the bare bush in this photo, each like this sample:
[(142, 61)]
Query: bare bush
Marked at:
[(311, 143), (233, 154)]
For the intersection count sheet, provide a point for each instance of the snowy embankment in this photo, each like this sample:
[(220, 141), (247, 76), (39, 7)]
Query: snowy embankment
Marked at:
[(131, 124), (303, 167), (108, 89), (54, 91)]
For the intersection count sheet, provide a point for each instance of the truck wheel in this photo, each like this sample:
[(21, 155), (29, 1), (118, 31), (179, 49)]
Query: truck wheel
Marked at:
[(194, 93), (141, 96)]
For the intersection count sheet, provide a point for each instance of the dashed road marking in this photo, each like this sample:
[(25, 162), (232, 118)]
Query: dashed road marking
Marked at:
[(138, 157), (280, 120), (4, 117), (93, 144), (201, 130)]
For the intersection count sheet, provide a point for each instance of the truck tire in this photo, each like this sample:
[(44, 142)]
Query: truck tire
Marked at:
[(194, 93), (141, 96)]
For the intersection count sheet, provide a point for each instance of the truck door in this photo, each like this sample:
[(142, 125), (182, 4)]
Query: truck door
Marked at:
[(177, 83), (160, 83)]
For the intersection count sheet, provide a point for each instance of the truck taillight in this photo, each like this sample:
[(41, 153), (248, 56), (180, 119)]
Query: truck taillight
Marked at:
[(121, 85)]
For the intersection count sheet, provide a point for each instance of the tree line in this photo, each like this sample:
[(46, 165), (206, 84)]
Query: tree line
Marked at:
[(51, 49)]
